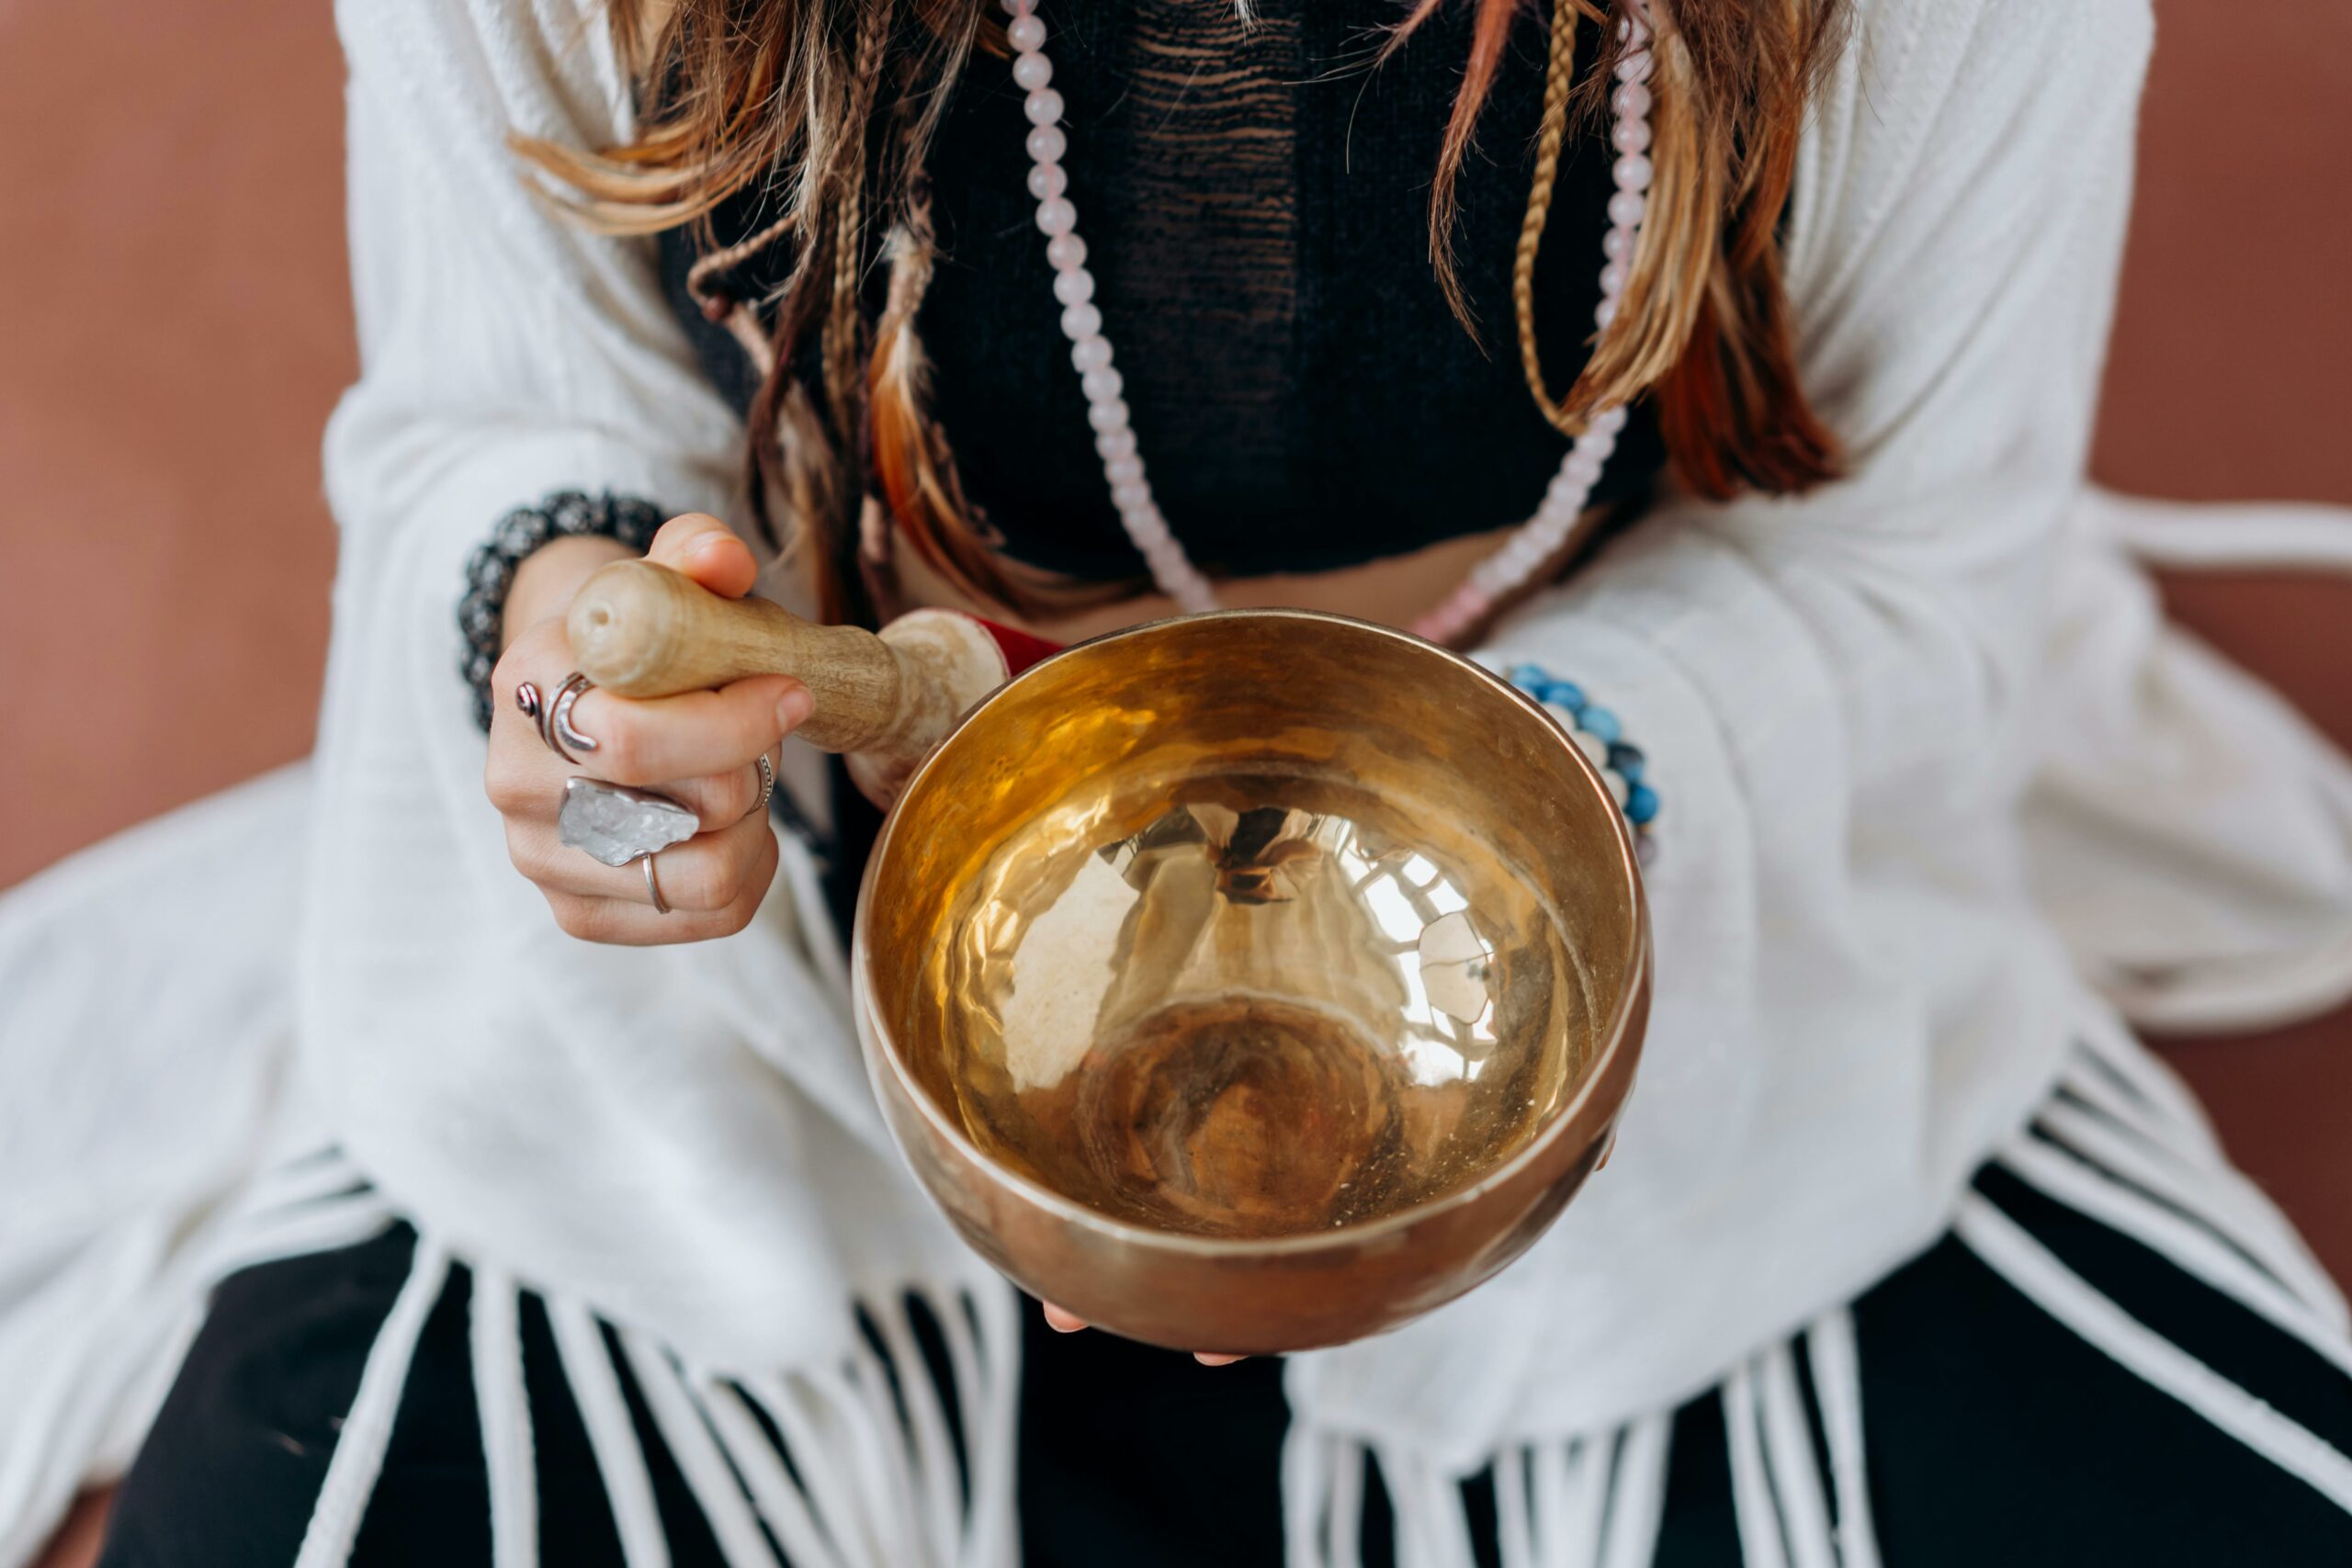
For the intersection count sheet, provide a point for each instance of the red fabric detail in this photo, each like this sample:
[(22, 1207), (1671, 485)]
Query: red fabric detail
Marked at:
[(1020, 650)]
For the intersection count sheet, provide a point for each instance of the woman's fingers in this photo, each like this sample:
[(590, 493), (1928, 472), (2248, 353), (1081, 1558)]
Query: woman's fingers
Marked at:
[(1061, 1320), (701, 749), (634, 923), (697, 733), (707, 551), (720, 800), (708, 873)]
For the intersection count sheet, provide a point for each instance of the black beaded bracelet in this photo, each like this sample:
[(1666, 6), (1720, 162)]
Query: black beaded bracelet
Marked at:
[(490, 572)]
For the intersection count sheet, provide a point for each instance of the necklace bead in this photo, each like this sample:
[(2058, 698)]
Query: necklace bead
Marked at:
[(1530, 545)]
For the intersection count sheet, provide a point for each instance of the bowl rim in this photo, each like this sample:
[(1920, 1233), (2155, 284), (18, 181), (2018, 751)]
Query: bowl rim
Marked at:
[(881, 1049)]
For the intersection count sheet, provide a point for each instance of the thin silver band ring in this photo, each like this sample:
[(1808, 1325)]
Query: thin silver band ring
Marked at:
[(767, 784), (653, 887)]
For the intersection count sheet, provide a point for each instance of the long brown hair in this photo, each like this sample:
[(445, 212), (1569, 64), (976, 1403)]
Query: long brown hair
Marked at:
[(842, 97)]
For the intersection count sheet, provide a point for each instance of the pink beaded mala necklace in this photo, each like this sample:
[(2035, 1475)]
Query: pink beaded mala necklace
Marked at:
[(1534, 541)]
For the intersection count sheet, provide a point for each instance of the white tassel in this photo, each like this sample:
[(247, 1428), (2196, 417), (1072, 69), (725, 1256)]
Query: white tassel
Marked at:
[(2037, 1274), (828, 1490), (1514, 1515), (2085, 1188), (1637, 1491), (495, 1336), (2179, 1159), (1422, 1537), (303, 1179), (896, 1444), (368, 1429), (1441, 1517), (1306, 1495), (1760, 1542), (1348, 1460), (869, 1433), (746, 1446), (2219, 1199), (620, 1458), (932, 1448), (1837, 1365), (1565, 1524), (326, 1225), (984, 1353), (2110, 1065), (697, 1456), (1572, 1528), (1789, 1460)]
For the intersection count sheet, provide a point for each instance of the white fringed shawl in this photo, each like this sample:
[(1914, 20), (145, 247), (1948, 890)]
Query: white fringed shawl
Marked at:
[(1843, 698)]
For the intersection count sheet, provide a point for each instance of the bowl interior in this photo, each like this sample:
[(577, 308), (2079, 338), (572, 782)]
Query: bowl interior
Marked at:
[(1251, 925)]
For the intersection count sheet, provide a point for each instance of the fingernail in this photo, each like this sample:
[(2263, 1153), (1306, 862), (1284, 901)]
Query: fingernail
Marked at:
[(793, 708)]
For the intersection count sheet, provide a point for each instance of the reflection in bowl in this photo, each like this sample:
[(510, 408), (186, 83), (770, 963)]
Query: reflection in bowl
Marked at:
[(1265, 1010), (1252, 981)]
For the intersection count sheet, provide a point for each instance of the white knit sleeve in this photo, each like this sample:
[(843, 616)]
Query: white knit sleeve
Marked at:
[(505, 349), (1829, 689), (573, 1110)]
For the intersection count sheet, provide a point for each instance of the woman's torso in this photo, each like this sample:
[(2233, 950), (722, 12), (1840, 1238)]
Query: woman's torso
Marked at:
[(1254, 198)]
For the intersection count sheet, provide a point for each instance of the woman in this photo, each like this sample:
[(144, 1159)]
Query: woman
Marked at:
[(1909, 1254)]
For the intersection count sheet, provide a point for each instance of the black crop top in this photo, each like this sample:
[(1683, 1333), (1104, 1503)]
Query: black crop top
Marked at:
[(1254, 200)]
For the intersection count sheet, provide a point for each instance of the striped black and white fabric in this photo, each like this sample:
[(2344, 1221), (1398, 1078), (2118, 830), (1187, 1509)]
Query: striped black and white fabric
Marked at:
[(2119, 1353)]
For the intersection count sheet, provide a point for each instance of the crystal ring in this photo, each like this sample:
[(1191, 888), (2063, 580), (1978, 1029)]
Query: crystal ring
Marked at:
[(617, 825)]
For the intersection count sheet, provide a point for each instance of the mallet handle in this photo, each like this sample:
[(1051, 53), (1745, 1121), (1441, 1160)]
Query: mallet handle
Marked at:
[(642, 630)]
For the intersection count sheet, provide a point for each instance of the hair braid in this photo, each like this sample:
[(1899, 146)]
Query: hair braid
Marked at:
[(1559, 82)]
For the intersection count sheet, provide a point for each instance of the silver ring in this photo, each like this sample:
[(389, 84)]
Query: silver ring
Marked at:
[(555, 721), (534, 705), (767, 784), (661, 905)]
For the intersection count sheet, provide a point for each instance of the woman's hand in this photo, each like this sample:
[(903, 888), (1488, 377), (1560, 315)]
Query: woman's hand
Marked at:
[(1063, 1321), (700, 748)]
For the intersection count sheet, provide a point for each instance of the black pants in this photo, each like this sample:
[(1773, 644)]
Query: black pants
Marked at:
[(1994, 1433)]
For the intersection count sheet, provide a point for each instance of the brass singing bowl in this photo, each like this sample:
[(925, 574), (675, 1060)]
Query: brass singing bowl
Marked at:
[(1252, 982)]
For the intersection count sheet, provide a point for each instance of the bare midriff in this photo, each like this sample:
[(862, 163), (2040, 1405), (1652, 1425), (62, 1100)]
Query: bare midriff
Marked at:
[(1391, 590)]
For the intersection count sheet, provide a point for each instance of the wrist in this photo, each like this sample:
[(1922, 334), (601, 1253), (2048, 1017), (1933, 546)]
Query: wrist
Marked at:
[(623, 525), (548, 577)]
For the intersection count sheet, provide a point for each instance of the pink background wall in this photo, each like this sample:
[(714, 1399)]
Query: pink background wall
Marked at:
[(172, 312)]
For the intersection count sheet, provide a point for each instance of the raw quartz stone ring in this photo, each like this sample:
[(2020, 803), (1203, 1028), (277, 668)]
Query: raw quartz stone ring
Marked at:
[(617, 825)]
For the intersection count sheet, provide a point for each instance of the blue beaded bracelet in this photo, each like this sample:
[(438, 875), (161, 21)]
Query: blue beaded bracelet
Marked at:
[(1598, 732)]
